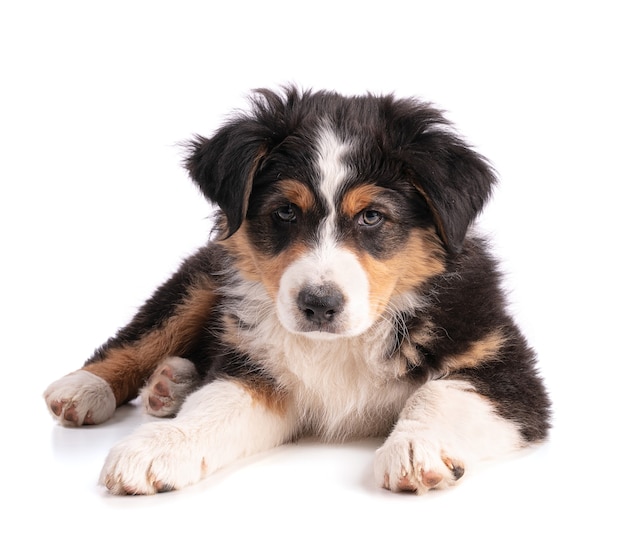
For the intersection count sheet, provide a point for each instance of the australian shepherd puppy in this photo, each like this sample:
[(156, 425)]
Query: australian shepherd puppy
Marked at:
[(343, 296)]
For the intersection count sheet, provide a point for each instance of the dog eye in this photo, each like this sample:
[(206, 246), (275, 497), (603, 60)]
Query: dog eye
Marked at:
[(286, 214), (370, 218)]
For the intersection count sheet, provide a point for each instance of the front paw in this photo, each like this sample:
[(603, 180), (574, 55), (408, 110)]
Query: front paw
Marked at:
[(414, 460), (158, 457), (80, 398)]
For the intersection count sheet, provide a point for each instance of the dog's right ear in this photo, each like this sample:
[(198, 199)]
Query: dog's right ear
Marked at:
[(224, 166)]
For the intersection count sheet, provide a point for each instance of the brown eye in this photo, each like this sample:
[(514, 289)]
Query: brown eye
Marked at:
[(370, 218), (286, 214)]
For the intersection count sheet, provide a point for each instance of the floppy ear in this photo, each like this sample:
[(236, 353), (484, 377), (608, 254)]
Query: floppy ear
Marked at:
[(454, 180), (223, 167), (456, 183)]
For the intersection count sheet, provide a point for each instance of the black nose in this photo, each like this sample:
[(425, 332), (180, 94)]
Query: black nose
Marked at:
[(321, 304)]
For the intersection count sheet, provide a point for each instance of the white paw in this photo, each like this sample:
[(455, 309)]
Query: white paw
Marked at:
[(158, 457), (80, 398), (416, 460), (168, 387)]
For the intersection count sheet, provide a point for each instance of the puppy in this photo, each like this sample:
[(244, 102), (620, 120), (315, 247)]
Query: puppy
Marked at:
[(344, 295)]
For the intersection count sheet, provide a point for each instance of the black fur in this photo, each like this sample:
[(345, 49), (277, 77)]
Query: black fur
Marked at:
[(404, 139)]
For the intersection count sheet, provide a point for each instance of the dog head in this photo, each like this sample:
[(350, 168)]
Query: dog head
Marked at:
[(339, 204)]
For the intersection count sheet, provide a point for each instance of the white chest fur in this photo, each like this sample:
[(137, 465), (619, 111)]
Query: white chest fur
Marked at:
[(340, 386)]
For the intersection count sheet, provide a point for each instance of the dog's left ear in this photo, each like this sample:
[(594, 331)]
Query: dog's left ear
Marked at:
[(224, 166), (454, 180), (456, 183)]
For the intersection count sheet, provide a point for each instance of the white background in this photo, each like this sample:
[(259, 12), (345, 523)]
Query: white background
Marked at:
[(95, 211)]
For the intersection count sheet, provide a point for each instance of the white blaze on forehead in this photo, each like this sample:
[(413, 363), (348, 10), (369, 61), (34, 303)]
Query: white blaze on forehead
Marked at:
[(333, 170)]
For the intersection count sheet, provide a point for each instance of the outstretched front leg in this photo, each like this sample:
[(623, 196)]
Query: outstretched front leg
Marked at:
[(221, 422), (445, 427), (169, 324)]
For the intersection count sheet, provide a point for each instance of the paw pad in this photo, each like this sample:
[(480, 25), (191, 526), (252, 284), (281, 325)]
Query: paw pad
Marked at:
[(168, 387)]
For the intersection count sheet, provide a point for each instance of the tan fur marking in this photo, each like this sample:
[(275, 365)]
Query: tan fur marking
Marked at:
[(272, 268), (127, 368), (255, 266), (239, 246), (359, 198), (265, 393), (479, 352), (298, 194), (420, 259), (409, 347), (425, 335), (230, 334)]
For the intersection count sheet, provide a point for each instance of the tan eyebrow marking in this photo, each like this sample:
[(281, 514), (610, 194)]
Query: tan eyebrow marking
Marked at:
[(297, 193), (359, 198)]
